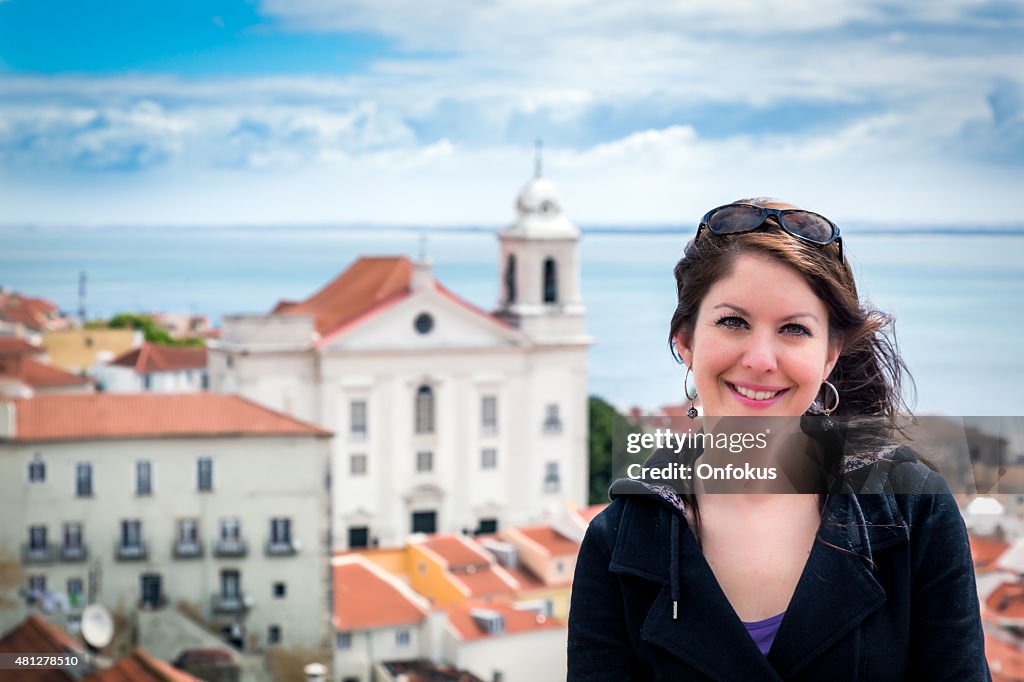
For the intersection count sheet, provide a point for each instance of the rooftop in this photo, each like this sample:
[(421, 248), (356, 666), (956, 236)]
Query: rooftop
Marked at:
[(37, 374), (138, 666), (516, 621), (150, 357), (103, 416), (367, 597)]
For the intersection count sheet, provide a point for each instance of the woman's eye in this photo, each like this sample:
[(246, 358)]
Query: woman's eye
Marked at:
[(796, 329), (731, 322)]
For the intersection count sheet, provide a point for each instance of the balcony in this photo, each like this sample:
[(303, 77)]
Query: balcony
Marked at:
[(74, 553), (38, 553), (226, 547), (282, 547), (230, 603), (136, 552), (187, 549)]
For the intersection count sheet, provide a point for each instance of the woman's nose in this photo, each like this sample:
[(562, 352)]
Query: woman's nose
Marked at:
[(759, 355)]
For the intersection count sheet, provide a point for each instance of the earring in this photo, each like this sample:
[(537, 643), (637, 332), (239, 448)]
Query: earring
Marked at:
[(692, 412), (826, 423)]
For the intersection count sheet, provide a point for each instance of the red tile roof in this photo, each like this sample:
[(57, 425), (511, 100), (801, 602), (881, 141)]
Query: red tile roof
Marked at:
[(12, 345), (147, 415), (455, 552), (550, 540), (487, 582), (36, 636), (36, 374), (1006, 601), (138, 666), (1005, 657), (31, 312), (588, 513), (516, 621), (149, 358), (367, 597), (985, 551), (366, 284)]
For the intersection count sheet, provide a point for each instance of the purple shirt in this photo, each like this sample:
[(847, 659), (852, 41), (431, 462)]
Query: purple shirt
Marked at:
[(763, 631)]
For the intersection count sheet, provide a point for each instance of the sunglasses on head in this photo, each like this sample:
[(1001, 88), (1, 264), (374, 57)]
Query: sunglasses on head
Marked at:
[(738, 218)]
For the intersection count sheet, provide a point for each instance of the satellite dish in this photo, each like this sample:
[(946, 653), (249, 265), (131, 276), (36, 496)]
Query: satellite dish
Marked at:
[(97, 626)]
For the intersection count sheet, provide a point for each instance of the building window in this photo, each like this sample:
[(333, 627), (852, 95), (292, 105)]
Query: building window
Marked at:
[(424, 410), (230, 586), (344, 640), (281, 531), (357, 465), (37, 470), (230, 529), (280, 590), (147, 382), (402, 637), (72, 536), (204, 474), (424, 461), (36, 538), (489, 458), (188, 531), (274, 634), (143, 477), (83, 479), (551, 480), (424, 522), (357, 419), (358, 536), (510, 279), (423, 323), (76, 592), (560, 567), (550, 281), (131, 533), (552, 420), (487, 527), (489, 414), (37, 583)]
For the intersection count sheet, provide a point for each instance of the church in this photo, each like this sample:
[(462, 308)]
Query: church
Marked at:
[(446, 418)]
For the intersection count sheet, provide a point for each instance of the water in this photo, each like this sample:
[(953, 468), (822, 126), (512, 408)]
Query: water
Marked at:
[(957, 299)]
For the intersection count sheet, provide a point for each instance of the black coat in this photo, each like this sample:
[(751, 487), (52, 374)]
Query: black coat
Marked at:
[(900, 602)]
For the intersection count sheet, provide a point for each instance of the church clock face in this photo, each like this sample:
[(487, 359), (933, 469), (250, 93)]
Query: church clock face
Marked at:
[(424, 323)]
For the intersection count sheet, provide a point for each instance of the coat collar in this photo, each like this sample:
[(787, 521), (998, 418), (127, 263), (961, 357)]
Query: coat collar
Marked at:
[(835, 593)]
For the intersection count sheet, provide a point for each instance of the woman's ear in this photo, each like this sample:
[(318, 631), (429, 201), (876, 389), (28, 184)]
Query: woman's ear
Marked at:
[(834, 351), (683, 348)]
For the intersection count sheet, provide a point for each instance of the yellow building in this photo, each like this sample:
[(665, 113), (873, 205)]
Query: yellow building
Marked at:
[(78, 348)]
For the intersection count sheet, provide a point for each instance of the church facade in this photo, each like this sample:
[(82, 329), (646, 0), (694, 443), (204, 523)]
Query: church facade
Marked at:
[(446, 417)]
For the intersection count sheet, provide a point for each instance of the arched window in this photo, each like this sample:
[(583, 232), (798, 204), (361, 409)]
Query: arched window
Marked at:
[(510, 279), (550, 281), (424, 410)]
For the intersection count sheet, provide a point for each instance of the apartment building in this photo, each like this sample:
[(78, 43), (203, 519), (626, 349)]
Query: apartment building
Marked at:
[(208, 503)]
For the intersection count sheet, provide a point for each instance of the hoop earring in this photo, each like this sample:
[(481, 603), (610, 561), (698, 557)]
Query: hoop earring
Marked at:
[(826, 423), (692, 412)]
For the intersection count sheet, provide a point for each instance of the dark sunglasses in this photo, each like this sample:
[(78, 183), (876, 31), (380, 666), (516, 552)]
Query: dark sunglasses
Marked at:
[(738, 218)]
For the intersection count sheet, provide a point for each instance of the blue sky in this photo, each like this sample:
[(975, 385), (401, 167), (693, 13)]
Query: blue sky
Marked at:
[(384, 111)]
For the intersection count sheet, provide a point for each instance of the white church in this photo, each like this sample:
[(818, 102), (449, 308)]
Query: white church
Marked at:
[(446, 418)]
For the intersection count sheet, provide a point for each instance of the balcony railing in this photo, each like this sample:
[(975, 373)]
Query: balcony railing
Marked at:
[(187, 549), (74, 553), (225, 547), (135, 552), (37, 554), (230, 603), (282, 547)]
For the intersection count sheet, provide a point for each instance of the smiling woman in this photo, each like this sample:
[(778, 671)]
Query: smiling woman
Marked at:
[(676, 582)]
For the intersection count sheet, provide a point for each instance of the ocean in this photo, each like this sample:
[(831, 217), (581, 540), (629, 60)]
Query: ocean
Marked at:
[(957, 297)]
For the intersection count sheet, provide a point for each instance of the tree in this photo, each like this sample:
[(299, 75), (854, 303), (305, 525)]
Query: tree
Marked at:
[(607, 428), (151, 330)]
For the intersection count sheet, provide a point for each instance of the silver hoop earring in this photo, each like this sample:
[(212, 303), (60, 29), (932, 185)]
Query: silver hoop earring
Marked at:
[(826, 423), (692, 412)]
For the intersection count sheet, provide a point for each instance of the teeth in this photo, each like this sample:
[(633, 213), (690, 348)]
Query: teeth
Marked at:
[(756, 395)]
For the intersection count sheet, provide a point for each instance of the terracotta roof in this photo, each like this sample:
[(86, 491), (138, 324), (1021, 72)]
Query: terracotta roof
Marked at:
[(366, 597), (526, 579), (553, 542), (985, 551), (149, 415), (12, 345), (31, 312), (421, 670), (150, 357), (1007, 601), (138, 666), (516, 621), (366, 284), (455, 552), (1005, 657), (37, 374), (36, 636), (588, 513)]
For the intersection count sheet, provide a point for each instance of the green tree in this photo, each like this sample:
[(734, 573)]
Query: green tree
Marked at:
[(151, 330), (606, 427)]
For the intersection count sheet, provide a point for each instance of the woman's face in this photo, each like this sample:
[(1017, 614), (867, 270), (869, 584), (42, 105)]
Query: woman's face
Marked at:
[(760, 345)]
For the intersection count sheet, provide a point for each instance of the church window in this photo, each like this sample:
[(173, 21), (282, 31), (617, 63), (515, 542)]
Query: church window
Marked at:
[(424, 323), (424, 410), (510, 279), (550, 281)]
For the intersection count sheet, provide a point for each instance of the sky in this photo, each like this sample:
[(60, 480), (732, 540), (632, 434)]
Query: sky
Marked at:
[(277, 112)]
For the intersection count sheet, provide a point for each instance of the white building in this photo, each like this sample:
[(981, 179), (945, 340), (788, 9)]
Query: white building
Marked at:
[(447, 417), (205, 501), (151, 367)]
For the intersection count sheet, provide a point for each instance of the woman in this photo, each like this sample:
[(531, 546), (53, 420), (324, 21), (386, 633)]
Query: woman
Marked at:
[(873, 582)]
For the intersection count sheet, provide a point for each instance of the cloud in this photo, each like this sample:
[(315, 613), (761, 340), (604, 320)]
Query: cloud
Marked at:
[(999, 136)]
